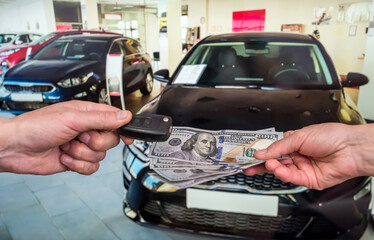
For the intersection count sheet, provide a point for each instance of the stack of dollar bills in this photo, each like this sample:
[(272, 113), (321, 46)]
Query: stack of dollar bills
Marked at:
[(192, 156)]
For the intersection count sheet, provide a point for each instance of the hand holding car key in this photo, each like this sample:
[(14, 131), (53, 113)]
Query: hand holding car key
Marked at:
[(148, 127)]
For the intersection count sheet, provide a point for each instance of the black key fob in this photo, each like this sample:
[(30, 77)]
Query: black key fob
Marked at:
[(148, 127)]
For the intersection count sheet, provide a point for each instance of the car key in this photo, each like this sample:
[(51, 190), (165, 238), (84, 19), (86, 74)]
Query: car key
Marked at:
[(148, 127)]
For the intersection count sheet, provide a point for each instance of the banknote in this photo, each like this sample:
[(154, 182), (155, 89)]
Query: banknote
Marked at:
[(195, 181), (175, 164), (192, 156), (176, 175), (212, 147)]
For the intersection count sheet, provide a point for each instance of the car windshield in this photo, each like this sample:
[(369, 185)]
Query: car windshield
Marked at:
[(256, 63), (43, 38), (73, 49), (5, 38)]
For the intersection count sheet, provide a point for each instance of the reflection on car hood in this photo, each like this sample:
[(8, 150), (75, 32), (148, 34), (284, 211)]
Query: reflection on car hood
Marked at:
[(11, 47), (47, 70), (252, 109)]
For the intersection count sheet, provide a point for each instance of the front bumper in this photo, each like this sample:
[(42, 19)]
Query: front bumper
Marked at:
[(18, 97), (339, 212)]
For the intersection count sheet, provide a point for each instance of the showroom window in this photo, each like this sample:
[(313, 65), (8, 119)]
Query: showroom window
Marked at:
[(68, 15)]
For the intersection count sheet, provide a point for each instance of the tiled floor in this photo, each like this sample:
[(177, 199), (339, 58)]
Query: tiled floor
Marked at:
[(72, 206)]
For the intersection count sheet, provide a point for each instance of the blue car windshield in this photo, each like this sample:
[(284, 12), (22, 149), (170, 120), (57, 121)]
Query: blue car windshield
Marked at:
[(74, 49), (259, 63)]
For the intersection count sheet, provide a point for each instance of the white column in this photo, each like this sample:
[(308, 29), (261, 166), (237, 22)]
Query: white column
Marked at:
[(174, 13), (90, 19), (366, 93), (171, 41)]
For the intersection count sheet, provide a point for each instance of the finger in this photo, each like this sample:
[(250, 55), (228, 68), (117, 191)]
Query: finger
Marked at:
[(99, 141), (286, 134), (284, 146), (127, 141), (288, 173), (255, 170), (93, 120), (91, 106), (80, 166), (78, 150)]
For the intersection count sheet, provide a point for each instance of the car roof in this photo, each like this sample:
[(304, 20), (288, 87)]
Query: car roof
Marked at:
[(74, 31), (263, 36), (92, 36), (18, 33)]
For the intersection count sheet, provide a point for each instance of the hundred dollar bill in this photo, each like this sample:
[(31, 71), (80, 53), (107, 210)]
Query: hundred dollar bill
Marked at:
[(172, 186), (176, 175), (213, 147), (193, 182), (175, 164)]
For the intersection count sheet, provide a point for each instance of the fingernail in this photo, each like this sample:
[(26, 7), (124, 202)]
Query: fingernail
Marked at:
[(121, 115), (65, 147), (84, 137), (262, 151)]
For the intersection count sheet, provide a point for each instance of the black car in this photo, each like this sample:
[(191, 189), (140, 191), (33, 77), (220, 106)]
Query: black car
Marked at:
[(251, 81), (73, 67)]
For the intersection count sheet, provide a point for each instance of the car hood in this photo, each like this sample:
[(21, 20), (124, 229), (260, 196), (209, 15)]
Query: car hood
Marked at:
[(11, 47), (247, 109), (49, 70)]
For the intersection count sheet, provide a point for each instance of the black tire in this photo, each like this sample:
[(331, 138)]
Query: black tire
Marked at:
[(147, 89)]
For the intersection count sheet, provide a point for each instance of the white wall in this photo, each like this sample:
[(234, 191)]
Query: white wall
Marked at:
[(344, 50), (366, 96), (30, 16)]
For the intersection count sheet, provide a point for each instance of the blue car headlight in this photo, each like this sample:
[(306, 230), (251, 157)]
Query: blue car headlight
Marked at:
[(74, 81)]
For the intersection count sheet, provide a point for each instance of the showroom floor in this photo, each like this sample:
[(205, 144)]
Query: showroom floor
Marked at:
[(72, 206)]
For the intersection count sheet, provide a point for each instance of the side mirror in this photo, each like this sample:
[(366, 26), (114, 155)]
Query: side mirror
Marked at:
[(28, 57), (162, 75), (355, 79)]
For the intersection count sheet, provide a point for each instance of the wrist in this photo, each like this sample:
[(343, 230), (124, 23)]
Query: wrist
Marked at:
[(6, 142), (362, 141)]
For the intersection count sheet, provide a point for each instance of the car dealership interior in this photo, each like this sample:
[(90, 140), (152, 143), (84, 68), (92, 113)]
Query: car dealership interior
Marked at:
[(260, 68)]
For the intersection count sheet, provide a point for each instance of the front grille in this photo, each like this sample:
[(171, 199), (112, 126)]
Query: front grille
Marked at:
[(264, 182), (240, 224), (34, 88), (24, 106)]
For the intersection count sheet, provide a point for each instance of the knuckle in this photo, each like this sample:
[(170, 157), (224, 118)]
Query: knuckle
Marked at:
[(91, 168), (98, 143), (77, 150)]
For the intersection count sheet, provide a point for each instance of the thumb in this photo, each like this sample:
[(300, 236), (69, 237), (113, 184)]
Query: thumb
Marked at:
[(284, 146), (100, 120)]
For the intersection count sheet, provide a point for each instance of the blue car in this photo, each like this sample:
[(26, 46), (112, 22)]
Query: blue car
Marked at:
[(73, 67)]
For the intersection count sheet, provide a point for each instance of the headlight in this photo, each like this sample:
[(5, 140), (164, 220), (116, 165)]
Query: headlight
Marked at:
[(5, 65), (143, 146), (70, 82), (8, 52)]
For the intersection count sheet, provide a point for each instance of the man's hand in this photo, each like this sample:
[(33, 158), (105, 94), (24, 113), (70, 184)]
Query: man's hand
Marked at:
[(71, 135), (320, 156)]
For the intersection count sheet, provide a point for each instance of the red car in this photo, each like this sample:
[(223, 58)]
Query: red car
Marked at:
[(12, 55)]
